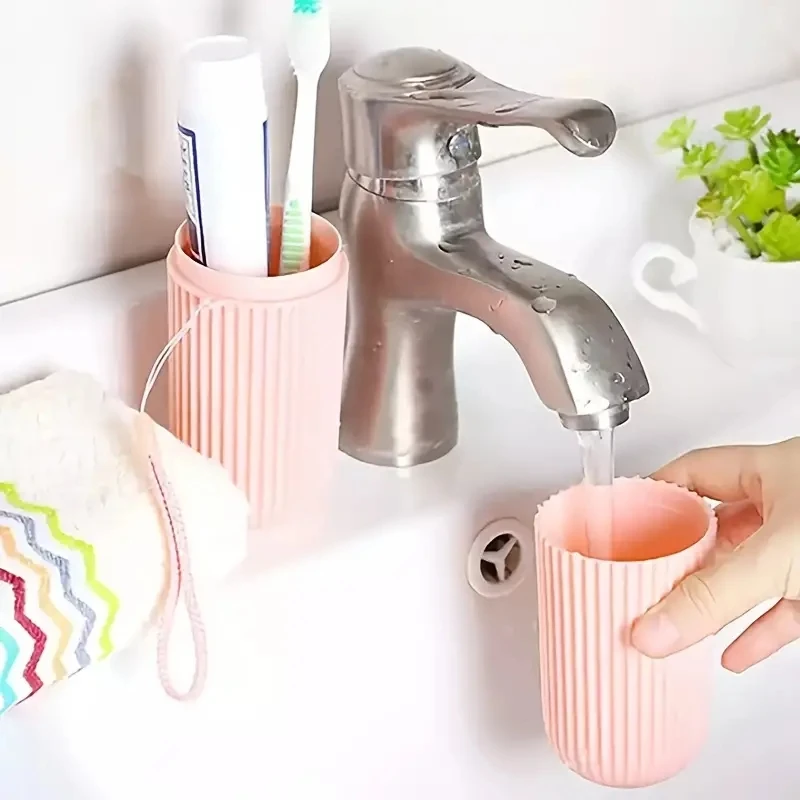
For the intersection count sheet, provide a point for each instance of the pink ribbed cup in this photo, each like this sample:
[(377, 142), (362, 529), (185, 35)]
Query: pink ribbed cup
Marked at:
[(256, 383), (613, 715)]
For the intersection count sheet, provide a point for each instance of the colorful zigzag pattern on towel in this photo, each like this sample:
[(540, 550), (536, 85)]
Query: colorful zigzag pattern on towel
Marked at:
[(56, 615)]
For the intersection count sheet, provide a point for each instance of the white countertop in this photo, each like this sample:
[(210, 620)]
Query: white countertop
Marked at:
[(359, 663)]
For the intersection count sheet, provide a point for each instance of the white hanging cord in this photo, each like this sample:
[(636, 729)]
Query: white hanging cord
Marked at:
[(169, 348)]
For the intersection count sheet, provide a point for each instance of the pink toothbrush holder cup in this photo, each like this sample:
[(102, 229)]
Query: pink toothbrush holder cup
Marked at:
[(256, 382), (615, 716)]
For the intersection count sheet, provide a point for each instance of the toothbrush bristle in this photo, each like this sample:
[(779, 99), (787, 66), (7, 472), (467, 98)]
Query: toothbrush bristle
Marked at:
[(307, 6), (294, 247)]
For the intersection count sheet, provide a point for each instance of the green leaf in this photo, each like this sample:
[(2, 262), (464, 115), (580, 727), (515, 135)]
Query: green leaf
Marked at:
[(743, 124), (782, 157), (730, 169), (700, 160), (785, 137), (753, 195), (712, 205), (676, 136), (780, 237), (783, 165)]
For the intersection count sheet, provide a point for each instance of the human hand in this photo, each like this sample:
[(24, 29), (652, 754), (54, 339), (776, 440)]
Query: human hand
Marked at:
[(757, 557)]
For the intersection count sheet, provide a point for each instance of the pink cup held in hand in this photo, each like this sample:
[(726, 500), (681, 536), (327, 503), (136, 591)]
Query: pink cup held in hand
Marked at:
[(256, 383), (614, 716)]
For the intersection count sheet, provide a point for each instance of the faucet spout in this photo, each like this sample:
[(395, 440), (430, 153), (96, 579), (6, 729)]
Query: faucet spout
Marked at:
[(579, 358)]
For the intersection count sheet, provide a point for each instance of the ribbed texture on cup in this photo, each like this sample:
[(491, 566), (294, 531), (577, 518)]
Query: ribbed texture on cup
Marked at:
[(257, 387), (613, 715)]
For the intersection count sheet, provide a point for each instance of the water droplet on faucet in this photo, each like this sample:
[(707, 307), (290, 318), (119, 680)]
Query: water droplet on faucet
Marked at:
[(617, 378), (501, 256), (543, 305), (521, 263)]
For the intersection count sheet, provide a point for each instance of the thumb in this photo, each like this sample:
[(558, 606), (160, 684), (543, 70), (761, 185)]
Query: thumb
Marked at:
[(706, 601)]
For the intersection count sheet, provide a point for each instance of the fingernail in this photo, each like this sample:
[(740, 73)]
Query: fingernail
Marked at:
[(655, 635)]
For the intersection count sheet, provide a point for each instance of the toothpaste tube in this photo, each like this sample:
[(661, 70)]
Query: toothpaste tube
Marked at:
[(222, 126)]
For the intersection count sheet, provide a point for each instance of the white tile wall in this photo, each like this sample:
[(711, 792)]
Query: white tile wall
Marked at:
[(88, 167)]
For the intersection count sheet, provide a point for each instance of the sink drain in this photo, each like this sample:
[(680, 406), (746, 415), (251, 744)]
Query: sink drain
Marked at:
[(499, 557)]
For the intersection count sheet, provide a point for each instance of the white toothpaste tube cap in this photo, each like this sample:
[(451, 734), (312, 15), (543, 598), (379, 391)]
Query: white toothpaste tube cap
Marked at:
[(221, 75)]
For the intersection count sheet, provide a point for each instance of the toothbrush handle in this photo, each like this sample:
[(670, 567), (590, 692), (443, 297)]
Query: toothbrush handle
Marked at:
[(300, 175)]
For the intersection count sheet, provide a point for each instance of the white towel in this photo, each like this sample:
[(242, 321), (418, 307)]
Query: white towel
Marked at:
[(82, 550)]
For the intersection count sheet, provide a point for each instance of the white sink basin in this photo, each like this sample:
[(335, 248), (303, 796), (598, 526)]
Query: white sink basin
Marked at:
[(358, 662)]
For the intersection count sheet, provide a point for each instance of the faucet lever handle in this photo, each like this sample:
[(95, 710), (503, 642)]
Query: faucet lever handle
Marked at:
[(584, 127), (411, 87)]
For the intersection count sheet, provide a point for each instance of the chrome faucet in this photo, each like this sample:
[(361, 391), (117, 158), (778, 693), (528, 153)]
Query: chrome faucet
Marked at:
[(412, 218)]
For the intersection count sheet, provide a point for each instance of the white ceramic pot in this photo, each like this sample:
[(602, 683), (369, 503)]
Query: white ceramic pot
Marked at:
[(749, 310)]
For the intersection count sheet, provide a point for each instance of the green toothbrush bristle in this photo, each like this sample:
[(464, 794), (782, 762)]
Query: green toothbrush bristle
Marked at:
[(307, 6), (294, 247)]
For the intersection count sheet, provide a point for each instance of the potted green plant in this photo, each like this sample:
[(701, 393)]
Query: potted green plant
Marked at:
[(747, 192), (746, 233)]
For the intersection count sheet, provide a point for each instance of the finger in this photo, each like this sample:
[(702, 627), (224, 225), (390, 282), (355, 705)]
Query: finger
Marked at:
[(722, 473), (706, 601), (736, 522), (769, 633)]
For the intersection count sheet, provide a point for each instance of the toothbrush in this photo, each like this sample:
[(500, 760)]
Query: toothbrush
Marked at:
[(309, 51)]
